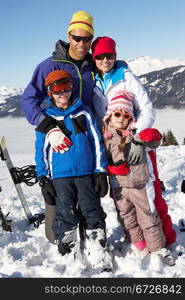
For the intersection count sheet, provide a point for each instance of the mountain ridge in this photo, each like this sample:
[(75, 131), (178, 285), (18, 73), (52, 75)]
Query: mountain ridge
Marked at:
[(165, 85), (146, 64)]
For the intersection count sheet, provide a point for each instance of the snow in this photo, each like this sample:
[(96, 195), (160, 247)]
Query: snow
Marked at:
[(179, 71), (8, 91), (145, 64), (26, 253)]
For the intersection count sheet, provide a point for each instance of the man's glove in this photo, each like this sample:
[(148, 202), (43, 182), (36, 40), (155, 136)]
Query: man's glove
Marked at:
[(101, 184), (58, 140), (47, 189), (183, 187), (133, 152)]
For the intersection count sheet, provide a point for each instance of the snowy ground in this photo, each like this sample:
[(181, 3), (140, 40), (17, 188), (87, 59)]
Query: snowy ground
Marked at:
[(25, 252)]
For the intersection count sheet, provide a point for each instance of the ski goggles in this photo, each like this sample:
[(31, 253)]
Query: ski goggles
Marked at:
[(109, 56), (78, 38), (61, 86), (118, 114)]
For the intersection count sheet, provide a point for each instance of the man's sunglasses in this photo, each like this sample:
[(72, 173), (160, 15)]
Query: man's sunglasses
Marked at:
[(108, 56), (60, 86), (124, 115), (78, 38)]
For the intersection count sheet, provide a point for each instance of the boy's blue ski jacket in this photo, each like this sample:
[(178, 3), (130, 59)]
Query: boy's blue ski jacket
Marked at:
[(86, 155)]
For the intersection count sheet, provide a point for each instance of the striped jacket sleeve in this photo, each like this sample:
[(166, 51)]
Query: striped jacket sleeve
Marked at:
[(41, 149), (97, 143)]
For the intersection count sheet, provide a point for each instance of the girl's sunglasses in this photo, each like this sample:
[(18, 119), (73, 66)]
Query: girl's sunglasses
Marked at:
[(124, 115)]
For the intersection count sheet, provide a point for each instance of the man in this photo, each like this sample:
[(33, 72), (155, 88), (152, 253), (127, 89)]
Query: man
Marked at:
[(72, 57)]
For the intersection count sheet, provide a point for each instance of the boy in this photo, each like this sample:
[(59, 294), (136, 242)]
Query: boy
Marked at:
[(76, 177)]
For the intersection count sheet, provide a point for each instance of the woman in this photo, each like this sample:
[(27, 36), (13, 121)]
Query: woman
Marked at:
[(112, 76)]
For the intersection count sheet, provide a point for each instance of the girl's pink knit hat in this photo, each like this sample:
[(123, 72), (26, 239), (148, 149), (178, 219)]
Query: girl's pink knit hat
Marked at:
[(122, 99)]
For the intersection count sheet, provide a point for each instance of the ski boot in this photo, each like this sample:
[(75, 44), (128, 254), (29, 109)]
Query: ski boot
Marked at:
[(67, 244), (96, 250), (165, 256)]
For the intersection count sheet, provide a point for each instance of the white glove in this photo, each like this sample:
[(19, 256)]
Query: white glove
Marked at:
[(58, 140)]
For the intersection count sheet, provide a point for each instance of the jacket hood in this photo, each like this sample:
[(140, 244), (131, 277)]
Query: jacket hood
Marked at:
[(61, 53), (61, 49)]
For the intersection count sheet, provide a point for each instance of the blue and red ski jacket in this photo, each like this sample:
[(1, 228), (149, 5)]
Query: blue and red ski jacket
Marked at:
[(87, 154)]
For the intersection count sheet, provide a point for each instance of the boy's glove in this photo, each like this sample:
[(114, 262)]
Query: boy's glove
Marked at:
[(58, 140), (47, 189), (101, 184), (183, 186)]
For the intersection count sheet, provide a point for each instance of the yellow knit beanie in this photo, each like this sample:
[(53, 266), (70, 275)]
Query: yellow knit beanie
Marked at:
[(81, 20)]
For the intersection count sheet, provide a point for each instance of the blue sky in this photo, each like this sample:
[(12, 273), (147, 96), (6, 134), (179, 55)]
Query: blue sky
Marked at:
[(30, 29)]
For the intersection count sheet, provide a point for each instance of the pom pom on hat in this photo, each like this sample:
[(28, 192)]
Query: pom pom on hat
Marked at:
[(81, 20), (103, 45)]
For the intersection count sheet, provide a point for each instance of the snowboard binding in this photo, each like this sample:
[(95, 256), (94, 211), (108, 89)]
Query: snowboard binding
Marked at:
[(6, 224), (26, 174), (37, 219)]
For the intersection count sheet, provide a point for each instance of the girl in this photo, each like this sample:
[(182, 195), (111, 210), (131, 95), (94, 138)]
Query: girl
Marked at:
[(132, 185)]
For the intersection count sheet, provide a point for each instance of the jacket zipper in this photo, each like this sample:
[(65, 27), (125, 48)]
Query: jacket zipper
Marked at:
[(79, 74)]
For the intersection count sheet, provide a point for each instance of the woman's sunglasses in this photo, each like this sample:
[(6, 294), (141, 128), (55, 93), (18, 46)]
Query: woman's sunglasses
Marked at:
[(109, 56), (124, 115), (78, 38)]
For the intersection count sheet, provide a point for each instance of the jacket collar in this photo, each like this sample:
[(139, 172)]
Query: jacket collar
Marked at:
[(63, 112), (61, 49), (61, 53)]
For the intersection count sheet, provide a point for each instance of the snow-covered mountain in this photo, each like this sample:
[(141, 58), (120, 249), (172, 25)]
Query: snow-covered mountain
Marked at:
[(10, 101), (145, 64), (163, 79), (166, 87)]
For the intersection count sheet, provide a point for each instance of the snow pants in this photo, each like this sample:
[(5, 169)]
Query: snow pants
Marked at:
[(72, 192), (136, 217)]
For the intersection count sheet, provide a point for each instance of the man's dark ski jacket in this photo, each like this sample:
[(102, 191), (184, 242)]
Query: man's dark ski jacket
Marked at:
[(35, 92)]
